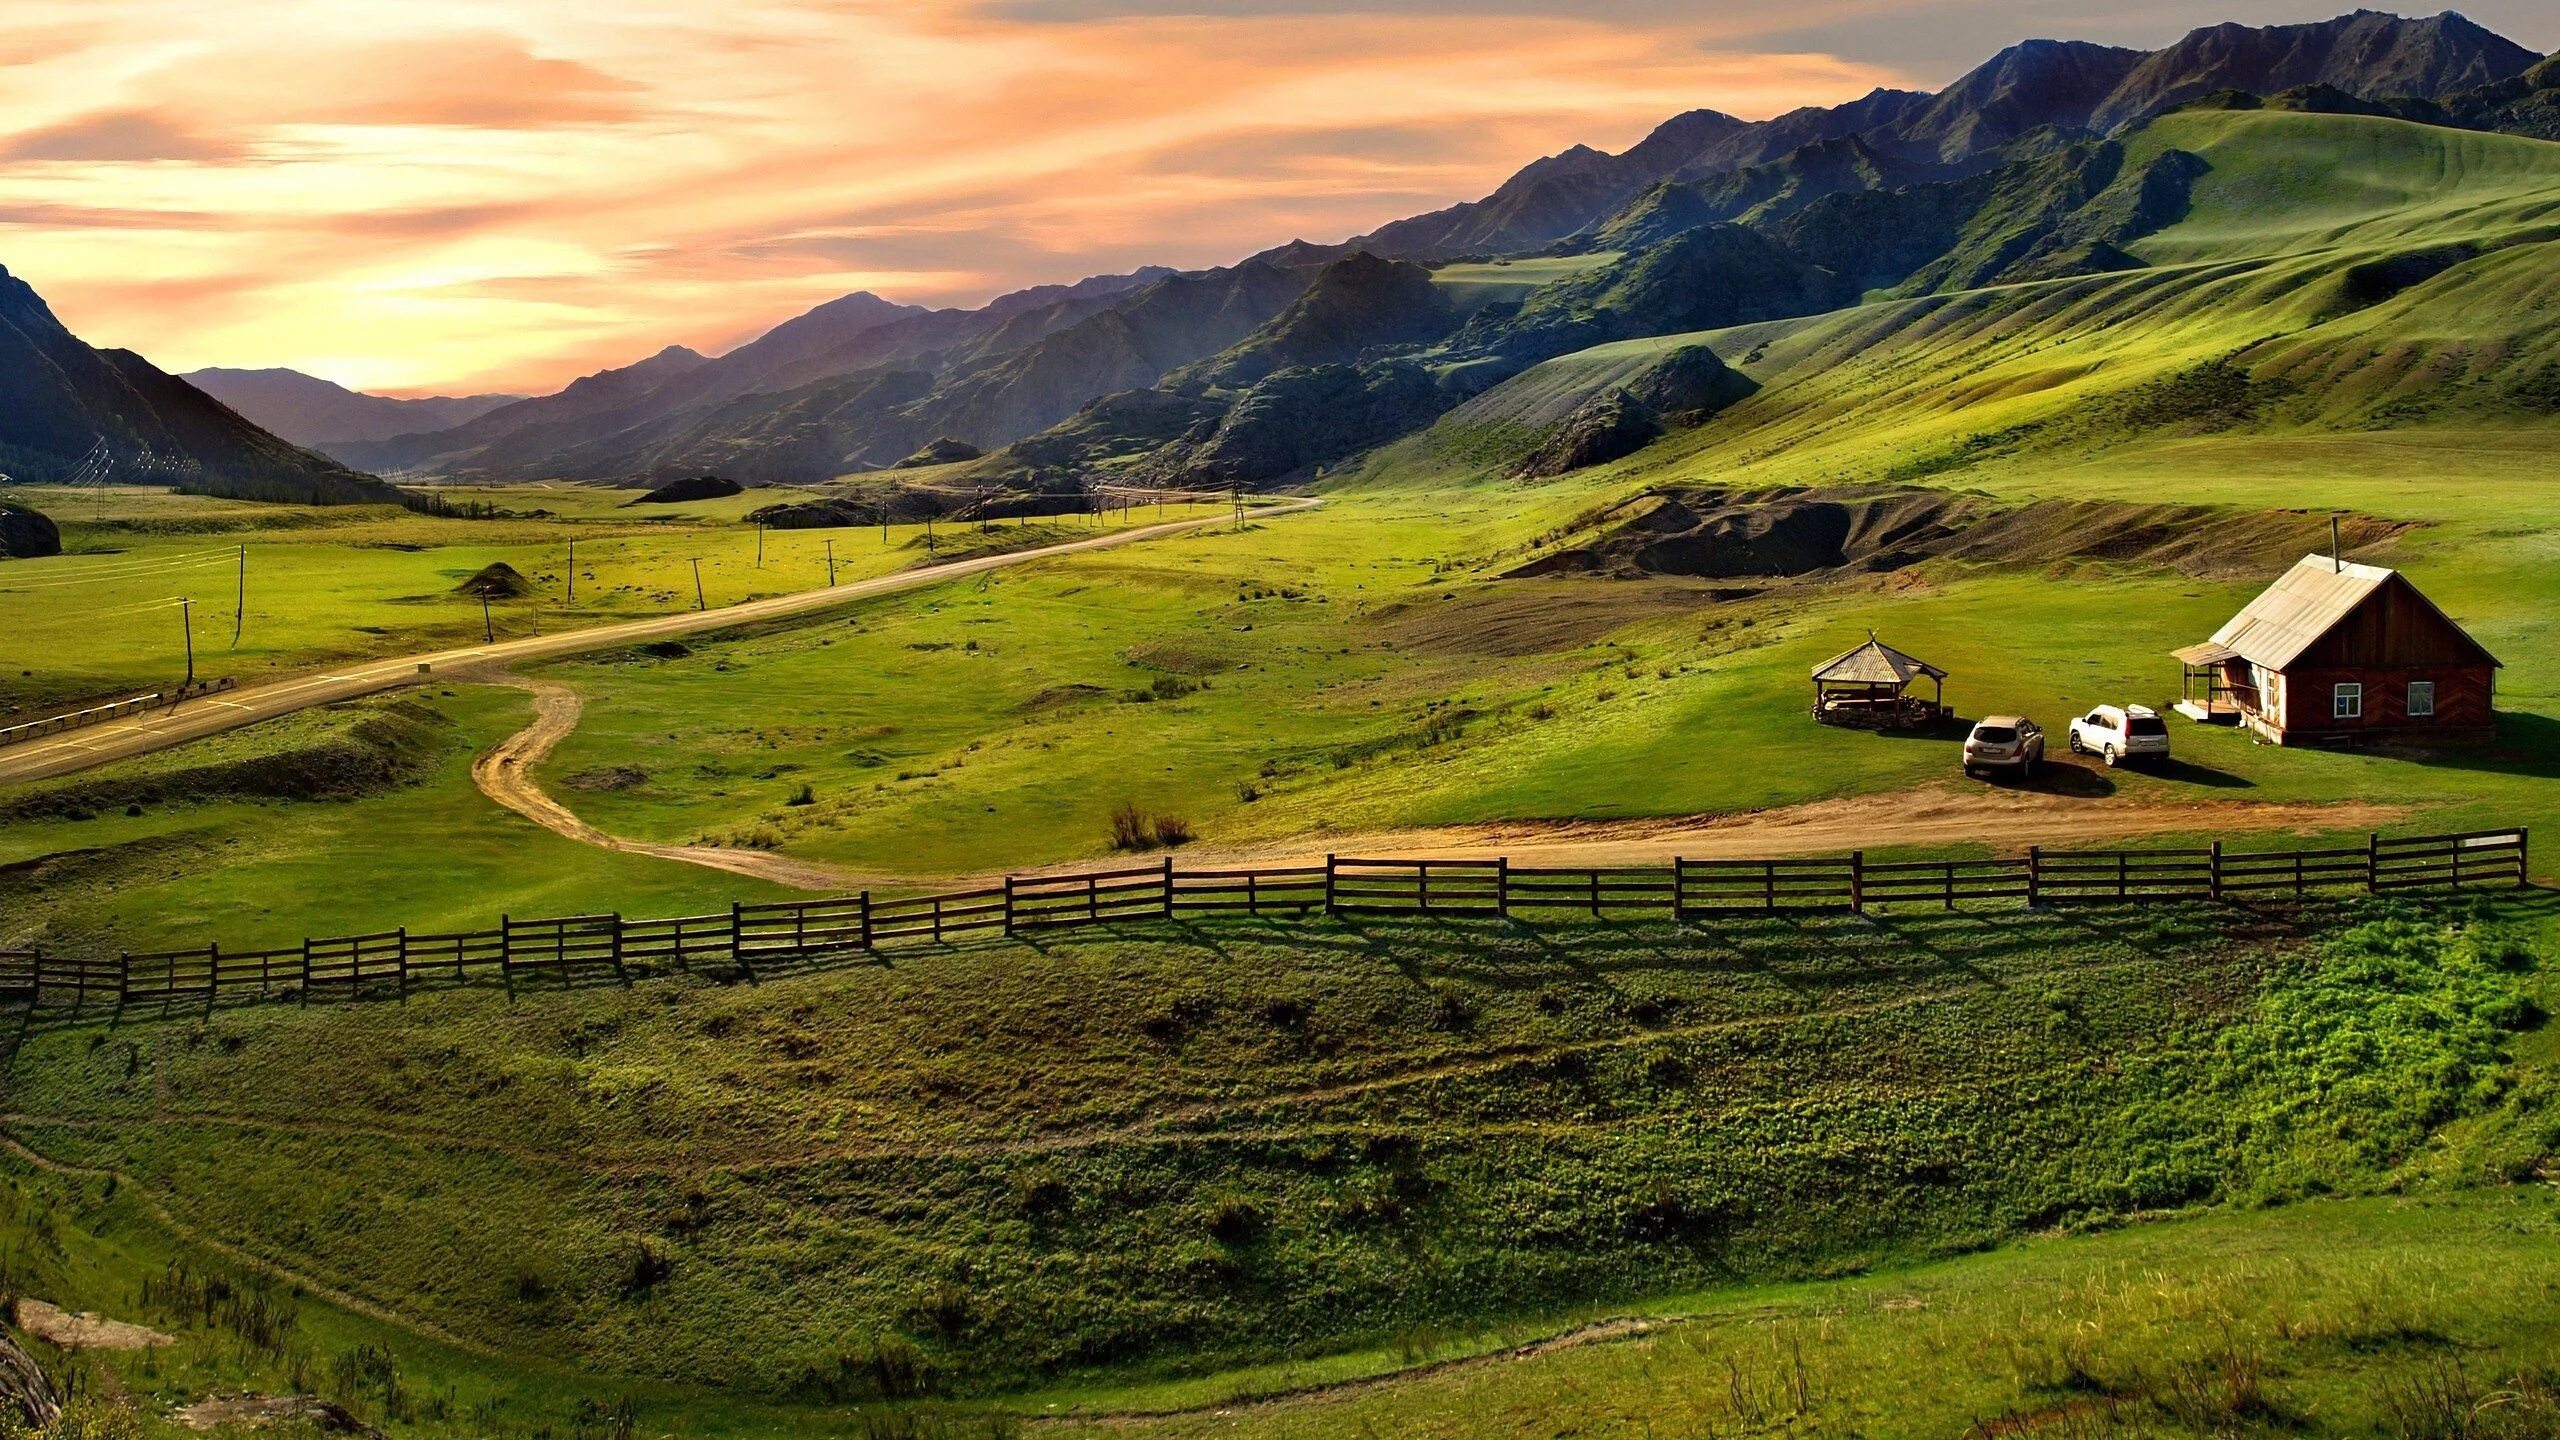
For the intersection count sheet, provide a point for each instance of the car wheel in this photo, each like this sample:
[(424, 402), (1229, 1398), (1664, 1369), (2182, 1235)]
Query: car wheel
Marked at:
[(2075, 743), (2111, 757), (2027, 768)]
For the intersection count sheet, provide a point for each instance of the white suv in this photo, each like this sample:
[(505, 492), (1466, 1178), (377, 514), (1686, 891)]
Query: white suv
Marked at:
[(2116, 734)]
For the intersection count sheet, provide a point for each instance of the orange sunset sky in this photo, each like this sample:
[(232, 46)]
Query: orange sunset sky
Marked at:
[(464, 195)]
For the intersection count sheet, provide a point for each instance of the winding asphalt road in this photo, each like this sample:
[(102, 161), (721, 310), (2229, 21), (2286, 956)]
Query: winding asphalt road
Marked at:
[(229, 710)]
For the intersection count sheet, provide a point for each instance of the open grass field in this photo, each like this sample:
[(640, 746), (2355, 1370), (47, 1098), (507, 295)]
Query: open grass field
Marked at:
[(101, 620), (1172, 1166), (1857, 1176), (345, 817)]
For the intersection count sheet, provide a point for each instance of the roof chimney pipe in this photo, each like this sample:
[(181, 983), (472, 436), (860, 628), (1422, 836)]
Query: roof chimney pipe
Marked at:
[(2337, 557)]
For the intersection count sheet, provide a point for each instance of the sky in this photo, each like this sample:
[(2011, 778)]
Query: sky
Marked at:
[(440, 196)]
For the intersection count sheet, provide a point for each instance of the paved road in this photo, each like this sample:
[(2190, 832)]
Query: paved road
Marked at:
[(211, 715)]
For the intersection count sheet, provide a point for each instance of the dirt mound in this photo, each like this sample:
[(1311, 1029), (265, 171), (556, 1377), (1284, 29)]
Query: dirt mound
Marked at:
[(817, 515), (85, 1331), (301, 1413), (1789, 534), (691, 488), (945, 451), (496, 580), (26, 534)]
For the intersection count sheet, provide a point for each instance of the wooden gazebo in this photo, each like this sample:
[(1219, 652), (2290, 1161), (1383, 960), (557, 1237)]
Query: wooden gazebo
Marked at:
[(1871, 686)]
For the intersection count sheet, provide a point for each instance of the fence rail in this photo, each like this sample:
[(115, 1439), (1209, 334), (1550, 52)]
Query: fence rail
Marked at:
[(756, 938)]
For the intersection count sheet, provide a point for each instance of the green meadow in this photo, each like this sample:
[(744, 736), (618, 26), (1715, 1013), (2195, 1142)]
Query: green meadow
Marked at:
[(1167, 1167), (2172, 1170), (331, 584)]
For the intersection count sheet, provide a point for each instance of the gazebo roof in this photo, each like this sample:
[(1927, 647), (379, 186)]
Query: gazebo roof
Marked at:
[(1875, 663)]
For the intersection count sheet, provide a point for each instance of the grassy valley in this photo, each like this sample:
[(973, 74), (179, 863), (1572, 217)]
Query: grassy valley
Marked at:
[(2069, 1171)]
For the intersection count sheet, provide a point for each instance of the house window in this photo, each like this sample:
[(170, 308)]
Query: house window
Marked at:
[(2422, 699), (2347, 702)]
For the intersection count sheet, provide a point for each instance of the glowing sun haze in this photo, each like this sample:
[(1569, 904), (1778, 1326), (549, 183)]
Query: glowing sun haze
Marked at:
[(501, 196)]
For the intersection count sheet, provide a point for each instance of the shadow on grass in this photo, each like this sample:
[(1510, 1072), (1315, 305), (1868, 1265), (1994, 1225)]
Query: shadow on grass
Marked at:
[(2526, 745)]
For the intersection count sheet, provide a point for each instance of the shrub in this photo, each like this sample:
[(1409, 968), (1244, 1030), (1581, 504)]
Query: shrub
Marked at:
[(1172, 830), (803, 796), (1130, 828)]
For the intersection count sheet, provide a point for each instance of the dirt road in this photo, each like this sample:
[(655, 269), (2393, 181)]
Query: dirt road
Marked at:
[(123, 739), (1943, 815), (503, 773)]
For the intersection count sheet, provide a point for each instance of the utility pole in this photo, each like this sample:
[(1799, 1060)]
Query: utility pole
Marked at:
[(488, 627), (240, 599), (928, 534), (831, 564), (698, 602), (573, 572), (759, 544), (187, 620)]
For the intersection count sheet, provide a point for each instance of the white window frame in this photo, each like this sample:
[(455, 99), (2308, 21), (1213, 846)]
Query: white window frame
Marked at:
[(2417, 688), (2346, 700)]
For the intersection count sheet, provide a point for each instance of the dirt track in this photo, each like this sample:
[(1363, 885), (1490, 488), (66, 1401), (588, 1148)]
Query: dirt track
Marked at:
[(503, 774), (1939, 815)]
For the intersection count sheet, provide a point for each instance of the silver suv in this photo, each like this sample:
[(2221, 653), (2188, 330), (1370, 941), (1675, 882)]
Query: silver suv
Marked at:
[(2117, 733), (2005, 741)]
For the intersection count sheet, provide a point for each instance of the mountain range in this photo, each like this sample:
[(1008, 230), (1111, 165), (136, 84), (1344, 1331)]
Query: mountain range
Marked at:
[(859, 384), (71, 411), (316, 413), (1306, 353)]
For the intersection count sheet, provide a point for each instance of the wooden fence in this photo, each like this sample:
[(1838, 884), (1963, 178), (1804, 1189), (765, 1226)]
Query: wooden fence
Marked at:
[(785, 935)]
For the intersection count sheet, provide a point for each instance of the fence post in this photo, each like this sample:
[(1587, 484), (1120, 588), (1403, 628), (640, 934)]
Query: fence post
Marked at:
[(213, 967), (2373, 862), (1679, 887), (1502, 886), (306, 964), (2213, 871), (2035, 875), (866, 919), (1858, 882), (124, 977), (1168, 887), (1252, 892), (1769, 886), (403, 957), (1329, 907), (1422, 882), (2524, 839), (1008, 905), (2457, 864), (737, 934), (618, 967), (2124, 867)]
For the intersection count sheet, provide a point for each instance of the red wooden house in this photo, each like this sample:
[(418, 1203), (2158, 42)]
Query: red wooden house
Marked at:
[(2335, 651)]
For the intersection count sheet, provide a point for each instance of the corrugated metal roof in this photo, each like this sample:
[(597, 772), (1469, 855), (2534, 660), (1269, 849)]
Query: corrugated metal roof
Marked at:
[(2204, 652), (1875, 663), (2305, 603)]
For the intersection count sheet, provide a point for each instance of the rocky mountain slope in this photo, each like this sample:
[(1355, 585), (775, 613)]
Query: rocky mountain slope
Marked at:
[(63, 402)]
